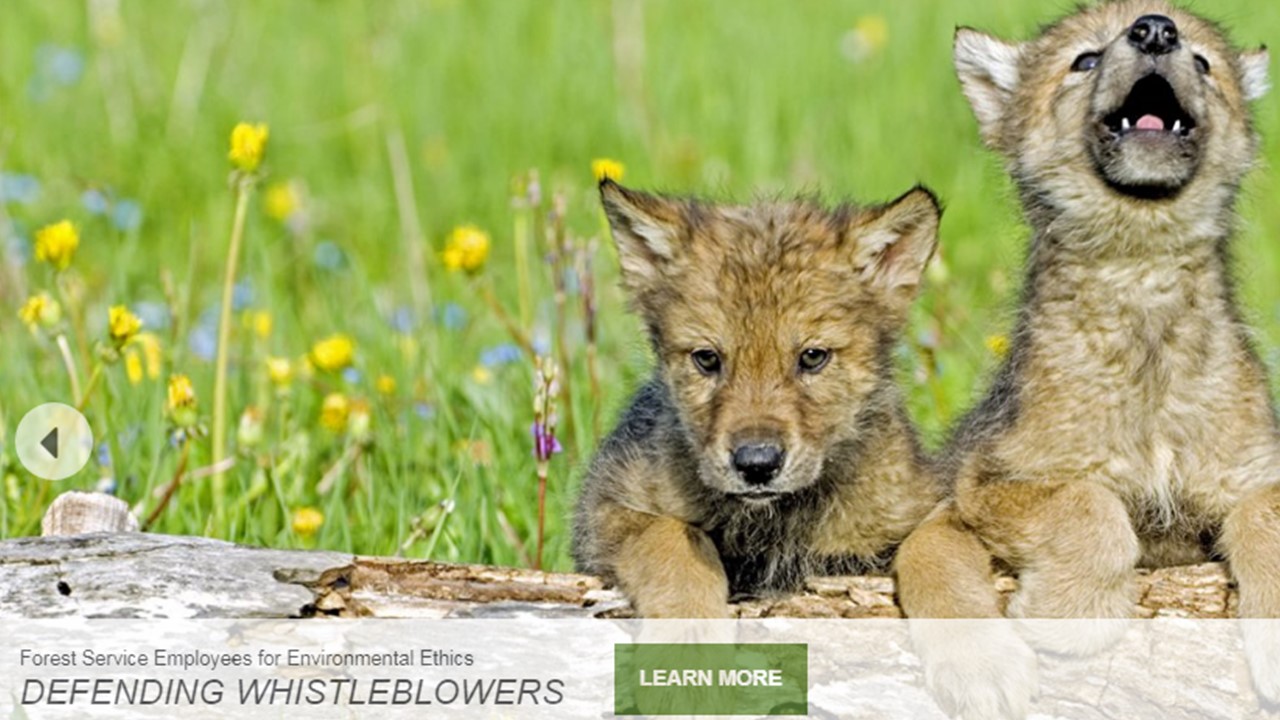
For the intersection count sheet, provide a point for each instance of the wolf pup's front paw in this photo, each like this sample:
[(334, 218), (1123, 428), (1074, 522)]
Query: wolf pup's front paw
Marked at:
[(976, 669), (1262, 650)]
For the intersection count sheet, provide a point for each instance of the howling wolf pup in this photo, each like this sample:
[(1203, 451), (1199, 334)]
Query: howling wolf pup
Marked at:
[(772, 441), (1131, 423)]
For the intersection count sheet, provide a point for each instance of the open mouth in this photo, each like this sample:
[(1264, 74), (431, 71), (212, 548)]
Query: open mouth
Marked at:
[(1151, 110)]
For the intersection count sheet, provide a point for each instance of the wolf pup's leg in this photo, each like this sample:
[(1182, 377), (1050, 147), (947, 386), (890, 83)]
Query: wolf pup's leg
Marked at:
[(1251, 539), (975, 665), (1075, 550), (667, 567)]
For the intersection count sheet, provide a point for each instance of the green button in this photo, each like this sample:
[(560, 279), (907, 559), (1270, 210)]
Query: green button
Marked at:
[(711, 679)]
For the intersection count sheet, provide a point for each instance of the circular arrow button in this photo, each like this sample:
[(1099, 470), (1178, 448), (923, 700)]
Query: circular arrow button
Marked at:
[(54, 441)]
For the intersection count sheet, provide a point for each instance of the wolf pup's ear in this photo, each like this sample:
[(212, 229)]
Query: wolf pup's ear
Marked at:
[(647, 230), (988, 71), (894, 243), (1254, 73)]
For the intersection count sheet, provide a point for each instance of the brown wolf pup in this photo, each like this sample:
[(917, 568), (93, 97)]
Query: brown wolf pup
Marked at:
[(771, 442), (1131, 423)]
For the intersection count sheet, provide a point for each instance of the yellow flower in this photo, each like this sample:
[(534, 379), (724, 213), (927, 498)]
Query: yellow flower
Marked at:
[(182, 394), (133, 367), (248, 146), (873, 30), (280, 371), (182, 401), (281, 201), (122, 325), (605, 168), (998, 345), (57, 243), (307, 520), (481, 375), (40, 309), (466, 249), (386, 385), (151, 352), (261, 324), (334, 412), (333, 353)]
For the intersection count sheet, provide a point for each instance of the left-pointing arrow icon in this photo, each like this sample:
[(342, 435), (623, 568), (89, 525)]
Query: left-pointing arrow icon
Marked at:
[(50, 443)]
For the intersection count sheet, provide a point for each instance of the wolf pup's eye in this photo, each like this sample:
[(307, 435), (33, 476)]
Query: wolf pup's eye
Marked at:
[(707, 361), (813, 359), (1086, 62), (1202, 64)]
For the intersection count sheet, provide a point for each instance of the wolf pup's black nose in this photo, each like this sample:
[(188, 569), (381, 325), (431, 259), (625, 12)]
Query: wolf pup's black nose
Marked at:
[(1154, 35), (757, 463)]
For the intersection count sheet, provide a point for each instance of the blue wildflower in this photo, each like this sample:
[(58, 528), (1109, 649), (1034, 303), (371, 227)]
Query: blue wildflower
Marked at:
[(453, 316), (242, 295), (19, 188), (505, 354), (95, 201), (402, 320), (203, 341), (328, 256), (126, 215), (154, 315)]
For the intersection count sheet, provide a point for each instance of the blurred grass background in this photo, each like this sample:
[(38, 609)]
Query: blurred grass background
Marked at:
[(116, 115)]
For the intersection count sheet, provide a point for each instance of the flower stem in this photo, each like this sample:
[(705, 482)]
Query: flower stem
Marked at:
[(542, 512), (243, 188), (70, 363), (169, 489), (88, 390)]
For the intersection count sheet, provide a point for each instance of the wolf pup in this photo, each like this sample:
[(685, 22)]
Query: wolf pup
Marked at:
[(771, 441), (1131, 423)]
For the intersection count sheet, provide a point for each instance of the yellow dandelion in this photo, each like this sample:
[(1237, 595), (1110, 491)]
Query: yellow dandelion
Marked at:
[(133, 366), (281, 201), (307, 520), (334, 412), (248, 146), (40, 309), (333, 353), (386, 384), (998, 345), (280, 371), (182, 400), (262, 324), (182, 394), (152, 353), (482, 375), (122, 325), (603, 168), (466, 249), (57, 243)]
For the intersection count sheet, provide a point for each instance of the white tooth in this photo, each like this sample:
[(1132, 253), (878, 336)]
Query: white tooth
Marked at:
[(1177, 126), (1124, 124)]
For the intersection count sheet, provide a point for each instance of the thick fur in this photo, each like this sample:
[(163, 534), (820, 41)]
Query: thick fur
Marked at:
[(1131, 423), (663, 512)]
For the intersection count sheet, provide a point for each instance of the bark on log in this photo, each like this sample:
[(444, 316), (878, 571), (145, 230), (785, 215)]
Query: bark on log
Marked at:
[(154, 576)]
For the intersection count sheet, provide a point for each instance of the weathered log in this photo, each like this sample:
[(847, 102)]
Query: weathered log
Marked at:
[(146, 575)]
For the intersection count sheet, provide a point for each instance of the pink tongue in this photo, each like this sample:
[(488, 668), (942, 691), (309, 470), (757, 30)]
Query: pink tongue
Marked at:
[(1150, 122)]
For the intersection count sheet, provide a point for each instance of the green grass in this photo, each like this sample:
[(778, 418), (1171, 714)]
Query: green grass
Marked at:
[(729, 98)]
